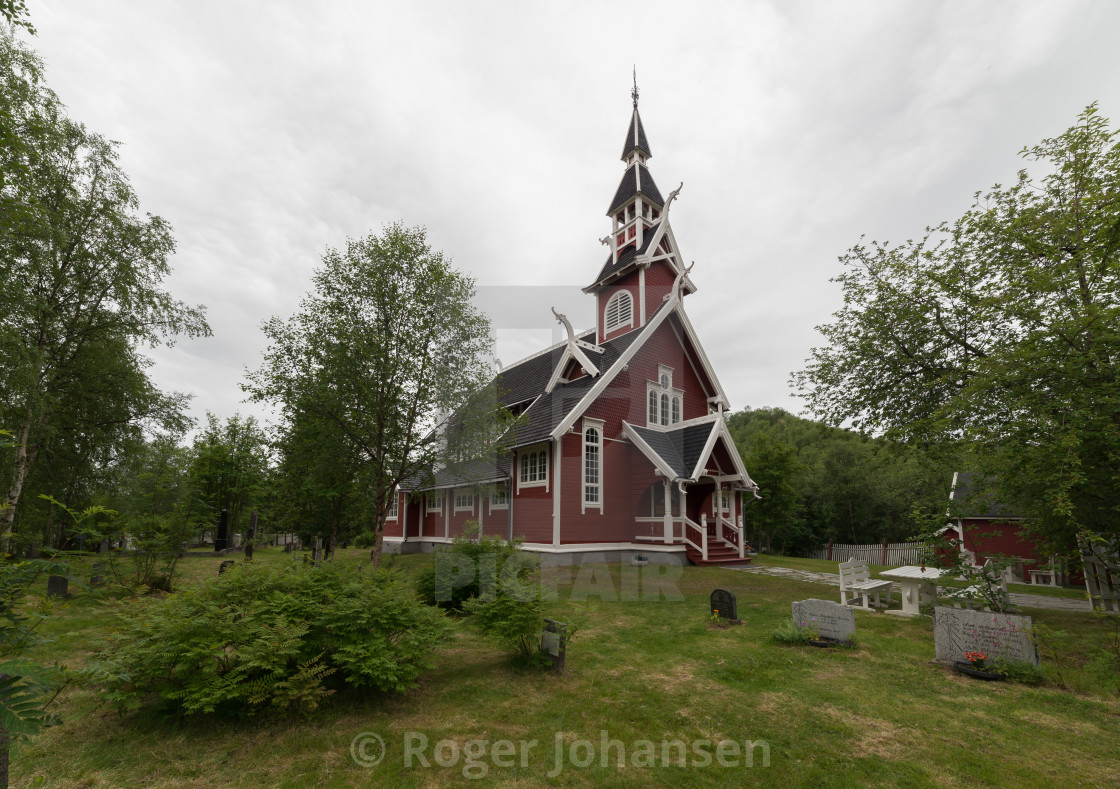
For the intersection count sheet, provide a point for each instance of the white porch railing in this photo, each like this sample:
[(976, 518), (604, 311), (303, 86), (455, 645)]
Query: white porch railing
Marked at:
[(701, 527), (738, 543)]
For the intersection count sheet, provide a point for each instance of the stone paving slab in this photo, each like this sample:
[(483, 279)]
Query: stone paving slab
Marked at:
[(1020, 600)]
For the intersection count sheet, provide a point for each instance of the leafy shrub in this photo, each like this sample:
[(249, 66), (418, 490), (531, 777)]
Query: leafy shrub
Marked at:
[(259, 637), (512, 614), (453, 576)]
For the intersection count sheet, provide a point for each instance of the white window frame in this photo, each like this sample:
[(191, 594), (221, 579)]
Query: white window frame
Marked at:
[(433, 502), (494, 503), (530, 462), (617, 299), (598, 485), (394, 508), (721, 504), (660, 402), (464, 500)]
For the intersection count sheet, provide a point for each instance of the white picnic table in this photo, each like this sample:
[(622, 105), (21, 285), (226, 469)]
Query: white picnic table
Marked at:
[(918, 586)]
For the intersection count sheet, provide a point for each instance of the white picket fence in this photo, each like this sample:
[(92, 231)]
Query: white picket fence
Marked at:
[(897, 553)]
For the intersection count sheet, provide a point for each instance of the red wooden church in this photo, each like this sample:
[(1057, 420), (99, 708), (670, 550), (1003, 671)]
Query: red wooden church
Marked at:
[(622, 445)]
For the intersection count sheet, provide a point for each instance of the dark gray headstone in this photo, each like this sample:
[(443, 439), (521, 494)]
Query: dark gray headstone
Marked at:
[(221, 542), (97, 577), (249, 550), (831, 619), (103, 547), (723, 603), (960, 630), (288, 548), (554, 642), (225, 565), (58, 586)]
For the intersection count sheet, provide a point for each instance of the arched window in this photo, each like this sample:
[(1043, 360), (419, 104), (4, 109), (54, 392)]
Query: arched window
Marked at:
[(592, 467), (664, 409), (534, 467), (652, 407), (619, 312), (676, 410)]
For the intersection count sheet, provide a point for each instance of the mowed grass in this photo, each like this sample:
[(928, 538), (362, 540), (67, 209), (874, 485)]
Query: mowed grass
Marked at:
[(877, 715)]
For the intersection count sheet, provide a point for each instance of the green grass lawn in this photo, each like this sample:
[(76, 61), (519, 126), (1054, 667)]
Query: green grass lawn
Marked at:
[(878, 715)]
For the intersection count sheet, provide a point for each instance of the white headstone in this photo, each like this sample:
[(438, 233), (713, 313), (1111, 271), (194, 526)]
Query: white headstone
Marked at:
[(960, 630), (832, 619)]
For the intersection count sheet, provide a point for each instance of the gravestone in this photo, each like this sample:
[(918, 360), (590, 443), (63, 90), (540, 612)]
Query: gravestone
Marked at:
[(97, 577), (833, 620), (57, 586), (225, 565), (960, 630), (288, 548), (221, 542), (103, 547), (554, 642), (249, 550), (723, 604)]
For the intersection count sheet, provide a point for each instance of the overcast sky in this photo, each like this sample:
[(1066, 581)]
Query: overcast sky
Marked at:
[(266, 132)]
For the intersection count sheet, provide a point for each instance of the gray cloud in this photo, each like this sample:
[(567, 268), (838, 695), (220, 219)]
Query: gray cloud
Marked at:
[(266, 132)]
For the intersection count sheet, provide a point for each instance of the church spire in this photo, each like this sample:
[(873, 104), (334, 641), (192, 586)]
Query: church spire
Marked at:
[(636, 135)]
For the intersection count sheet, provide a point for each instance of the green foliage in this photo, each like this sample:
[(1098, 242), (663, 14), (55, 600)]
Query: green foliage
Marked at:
[(82, 271), (998, 333), (261, 638), (821, 483), (26, 688), (513, 615), (445, 581), (387, 342), (15, 11)]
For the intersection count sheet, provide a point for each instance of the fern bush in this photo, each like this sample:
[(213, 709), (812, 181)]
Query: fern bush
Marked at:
[(445, 583), (258, 638)]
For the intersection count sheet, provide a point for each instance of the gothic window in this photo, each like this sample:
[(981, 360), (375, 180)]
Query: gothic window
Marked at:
[(620, 311), (464, 500), (499, 497), (666, 404), (593, 465), (534, 467)]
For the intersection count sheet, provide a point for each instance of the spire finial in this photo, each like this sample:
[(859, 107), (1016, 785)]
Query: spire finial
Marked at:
[(634, 93)]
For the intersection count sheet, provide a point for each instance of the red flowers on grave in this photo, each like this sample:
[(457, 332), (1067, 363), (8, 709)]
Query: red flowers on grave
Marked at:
[(977, 659)]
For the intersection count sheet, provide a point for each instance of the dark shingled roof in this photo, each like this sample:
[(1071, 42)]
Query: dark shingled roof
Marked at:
[(681, 448), (629, 186), (612, 267), (973, 498), (525, 381), (636, 137)]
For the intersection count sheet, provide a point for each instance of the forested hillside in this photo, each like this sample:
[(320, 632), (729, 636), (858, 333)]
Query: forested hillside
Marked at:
[(821, 483)]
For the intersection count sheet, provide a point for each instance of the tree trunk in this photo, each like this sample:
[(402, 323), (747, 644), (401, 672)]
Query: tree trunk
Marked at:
[(378, 540), (20, 468)]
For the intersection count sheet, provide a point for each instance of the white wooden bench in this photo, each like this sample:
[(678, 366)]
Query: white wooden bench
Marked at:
[(855, 580)]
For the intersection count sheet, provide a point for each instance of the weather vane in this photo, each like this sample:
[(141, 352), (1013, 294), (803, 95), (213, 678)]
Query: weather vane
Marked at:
[(634, 93)]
